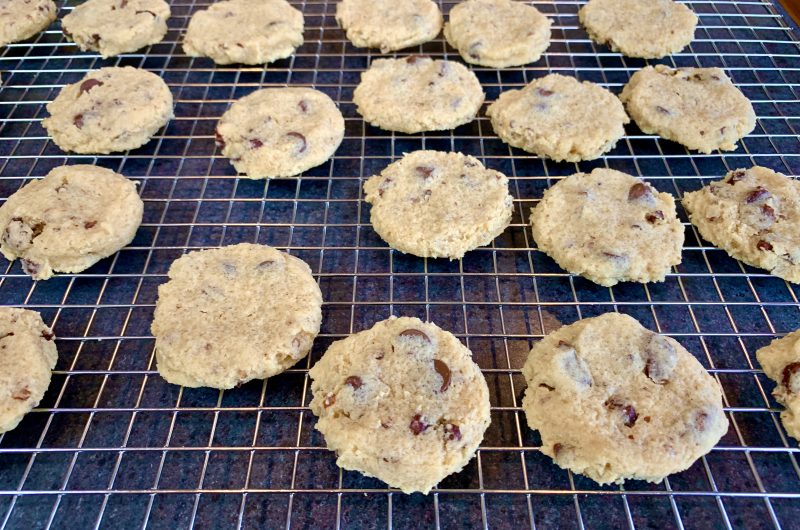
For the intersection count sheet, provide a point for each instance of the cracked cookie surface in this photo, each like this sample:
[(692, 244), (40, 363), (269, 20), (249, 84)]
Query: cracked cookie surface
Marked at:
[(780, 360), (22, 19), (389, 24)]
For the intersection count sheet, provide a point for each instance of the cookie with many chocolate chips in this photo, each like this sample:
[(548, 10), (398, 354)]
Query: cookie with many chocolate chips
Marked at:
[(389, 24), (69, 220), (615, 401), (780, 360), (280, 132), (232, 314), (752, 214), (27, 356), (22, 19), (699, 108), (609, 227), (402, 401)]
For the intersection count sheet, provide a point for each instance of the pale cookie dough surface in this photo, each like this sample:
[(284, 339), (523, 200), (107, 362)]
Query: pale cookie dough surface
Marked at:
[(699, 108), (615, 401), (498, 33), (22, 19), (402, 401), (780, 360), (649, 29), (232, 314), (389, 24), (416, 94), (436, 204), (112, 27), (559, 117), (69, 220), (111, 109), (280, 132), (27, 356), (245, 32), (609, 227), (753, 215)]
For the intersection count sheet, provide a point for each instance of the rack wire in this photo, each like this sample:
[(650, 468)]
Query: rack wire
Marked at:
[(114, 446)]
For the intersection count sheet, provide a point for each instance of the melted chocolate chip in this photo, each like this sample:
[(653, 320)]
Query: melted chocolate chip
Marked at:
[(265, 265), (736, 176), (452, 432), (662, 110), (255, 143), (760, 193), (123, 4), (29, 267), (415, 333), (21, 394), (300, 138), (652, 217), (219, 140), (89, 224), (548, 387), (660, 359), (417, 426), (354, 381), (544, 92), (412, 59), (424, 171), (763, 245), (47, 335), (444, 371), (145, 11), (629, 414), (472, 51), (87, 85), (790, 377), (557, 448), (9, 334), (700, 421), (78, 121), (768, 212), (638, 191), (329, 400), (303, 106)]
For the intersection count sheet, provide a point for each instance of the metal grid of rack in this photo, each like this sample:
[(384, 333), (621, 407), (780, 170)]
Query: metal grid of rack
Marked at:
[(114, 446)]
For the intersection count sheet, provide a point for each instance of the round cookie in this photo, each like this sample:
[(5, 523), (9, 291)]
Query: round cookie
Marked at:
[(498, 33), (245, 32), (615, 401), (112, 27), (697, 107), (753, 215), (649, 29), (780, 360), (389, 24), (609, 227), (417, 94), (402, 401), (27, 356), (232, 314), (435, 204), (560, 118), (69, 220), (111, 109), (22, 19), (280, 132)]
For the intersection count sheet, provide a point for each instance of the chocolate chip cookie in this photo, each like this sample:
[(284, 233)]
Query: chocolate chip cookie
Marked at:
[(435, 204), (752, 214), (615, 401), (232, 314), (22, 19), (402, 401), (389, 24), (560, 118), (781, 362), (280, 132), (697, 107)]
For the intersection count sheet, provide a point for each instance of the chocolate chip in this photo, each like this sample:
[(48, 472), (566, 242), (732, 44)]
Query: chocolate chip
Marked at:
[(96, 38), (444, 68), (21, 394), (768, 212), (763, 245), (700, 421), (736, 176), (87, 85), (47, 335), (29, 267), (415, 333), (123, 4), (660, 359), (544, 92), (89, 224), (9, 334), (303, 106), (557, 448), (790, 378), (424, 171), (640, 190), (354, 381), (662, 110), (629, 414), (417, 426), (300, 138), (330, 399), (548, 387), (574, 367), (472, 51), (219, 140), (760, 193), (413, 59), (444, 371), (145, 11), (452, 432), (255, 143), (78, 121), (652, 217), (265, 265)]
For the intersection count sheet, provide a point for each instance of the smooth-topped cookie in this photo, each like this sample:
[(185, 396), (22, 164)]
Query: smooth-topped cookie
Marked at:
[(280, 132), (615, 401), (69, 220), (780, 360), (435, 204), (112, 27), (402, 401), (245, 32), (27, 356), (111, 109), (559, 117), (699, 108), (498, 33), (753, 215), (416, 94), (609, 227), (649, 29), (232, 314), (389, 24), (22, 19)]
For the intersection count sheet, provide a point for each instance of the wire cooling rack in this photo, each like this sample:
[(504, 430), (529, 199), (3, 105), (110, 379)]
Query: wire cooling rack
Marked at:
[(114, 446)]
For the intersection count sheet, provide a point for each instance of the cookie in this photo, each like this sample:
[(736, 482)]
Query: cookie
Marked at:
[(434, 204), (245, 32), (609, 227), (649, 29), (111, 109), (416, 94), (615, 401), (402, 401), (112, 27), (27, 356), (389, 24), (280, 132), (497, 33), (699, 108), (232, 314), (753, 215), (22, 19), (781, 362), (69, 220), (560, 118)]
